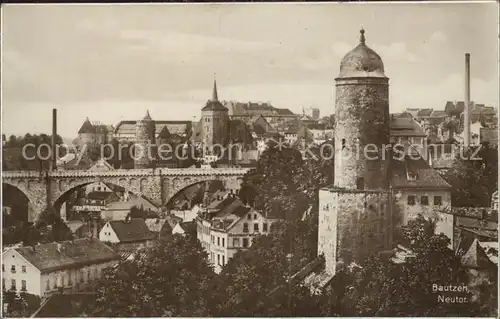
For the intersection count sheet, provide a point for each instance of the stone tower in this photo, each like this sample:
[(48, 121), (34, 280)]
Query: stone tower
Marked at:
[(355, 215), (145, 145), (215, 123)]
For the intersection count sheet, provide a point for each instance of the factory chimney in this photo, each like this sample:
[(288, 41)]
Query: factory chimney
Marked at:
[(467, 101), (54, 134)]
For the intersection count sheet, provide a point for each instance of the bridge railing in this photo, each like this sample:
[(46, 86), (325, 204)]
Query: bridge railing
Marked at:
[(128, 172)]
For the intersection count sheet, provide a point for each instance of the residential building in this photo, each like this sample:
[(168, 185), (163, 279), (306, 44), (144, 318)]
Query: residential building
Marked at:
[(125, 130), (97, 187), (184, 228), (226, 226), (130, 234), (159, 227), (44, 269)]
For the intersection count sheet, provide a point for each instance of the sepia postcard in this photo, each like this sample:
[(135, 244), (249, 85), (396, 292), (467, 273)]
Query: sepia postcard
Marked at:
[(250, 160)]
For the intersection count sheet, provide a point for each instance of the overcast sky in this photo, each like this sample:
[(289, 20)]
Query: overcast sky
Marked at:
[(112, 62)]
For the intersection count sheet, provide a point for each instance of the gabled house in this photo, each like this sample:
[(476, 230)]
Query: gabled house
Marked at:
[(44, 269), (227, 226), (130, 234)]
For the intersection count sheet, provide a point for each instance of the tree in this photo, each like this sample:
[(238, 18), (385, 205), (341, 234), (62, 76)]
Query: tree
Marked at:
[(384, 288), (253, 283), (172, 280), (474, 178), (283, 183), (19, 304)]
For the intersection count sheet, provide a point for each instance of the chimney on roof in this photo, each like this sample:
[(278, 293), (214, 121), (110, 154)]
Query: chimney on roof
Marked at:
[(467, 101)]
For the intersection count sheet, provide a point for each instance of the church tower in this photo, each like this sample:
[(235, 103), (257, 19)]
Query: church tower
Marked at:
[(355, 217), (145, 143), (215, 123)]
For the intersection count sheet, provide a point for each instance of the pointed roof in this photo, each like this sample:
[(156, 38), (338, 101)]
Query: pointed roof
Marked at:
[(214, 104), (214, 93), (87, 127), (475, 257), (147, 116)]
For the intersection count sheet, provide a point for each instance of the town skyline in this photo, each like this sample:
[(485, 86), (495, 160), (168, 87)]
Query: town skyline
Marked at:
[(142, 48)]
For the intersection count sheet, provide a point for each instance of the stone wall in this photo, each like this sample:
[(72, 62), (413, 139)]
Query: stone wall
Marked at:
[(362, 118), (144, 146), (353, 224), (158, 186)]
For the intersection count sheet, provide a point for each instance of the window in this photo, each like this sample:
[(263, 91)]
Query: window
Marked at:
[(218, 259), (13, 284), (3, 267), (70, 281), (223, 242), (245, 242), (424, 200), (256, 227), (245, 227), (411, 200), (55, 283), (218, 241), (82, 277), (343, 143), (62, 281), (3, 283), (236, 242), (47, 285), (264, 227), (437, 200), (23, 285), (254, 216), (13, 269), (360, 183), (88, 276), (223, 260), (23, 269), (249, 217)]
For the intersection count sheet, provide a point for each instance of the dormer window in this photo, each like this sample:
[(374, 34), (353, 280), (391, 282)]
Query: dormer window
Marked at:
[(412, 176)]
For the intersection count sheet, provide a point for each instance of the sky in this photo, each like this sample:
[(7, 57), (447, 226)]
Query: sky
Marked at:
[(115, 62)]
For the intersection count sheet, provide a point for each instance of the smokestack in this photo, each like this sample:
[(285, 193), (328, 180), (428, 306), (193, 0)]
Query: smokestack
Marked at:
[(54, 134), (467, 101)]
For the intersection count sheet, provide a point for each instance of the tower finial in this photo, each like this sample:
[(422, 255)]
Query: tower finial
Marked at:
[(147, 117), (214, 93), (362, 36)]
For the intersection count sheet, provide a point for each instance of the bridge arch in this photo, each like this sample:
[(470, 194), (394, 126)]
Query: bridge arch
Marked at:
[(27, 200), (36, 202), (180, 184), (75, 185)]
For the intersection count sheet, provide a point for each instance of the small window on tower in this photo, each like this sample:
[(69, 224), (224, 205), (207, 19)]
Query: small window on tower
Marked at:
[(343, 143), (360, 183)]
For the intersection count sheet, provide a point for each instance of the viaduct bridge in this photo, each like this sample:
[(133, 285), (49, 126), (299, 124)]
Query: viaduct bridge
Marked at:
[(52, 188)]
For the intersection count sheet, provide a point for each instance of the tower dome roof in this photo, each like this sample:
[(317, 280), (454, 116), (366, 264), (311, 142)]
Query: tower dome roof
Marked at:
[(361, 62)]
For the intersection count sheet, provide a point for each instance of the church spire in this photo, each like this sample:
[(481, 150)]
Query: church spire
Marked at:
[(147, 116), (362, 36), (214, 93)]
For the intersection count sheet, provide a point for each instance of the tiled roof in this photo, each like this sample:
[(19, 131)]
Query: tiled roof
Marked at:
[(475, 212), (424, 112), (119, 206), (74, 225), (235, 108), (99, 195), (87, 127), (174, 127), (426, 177), (156, 224), (284, 111), (214, 105), (405, 126), (173, 220), (47, 257), (475, 257), (133, 230), (437, 113)]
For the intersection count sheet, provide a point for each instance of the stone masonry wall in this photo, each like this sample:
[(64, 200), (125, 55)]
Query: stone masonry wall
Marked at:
[(353, 224), (362, 118), (144, 144)]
